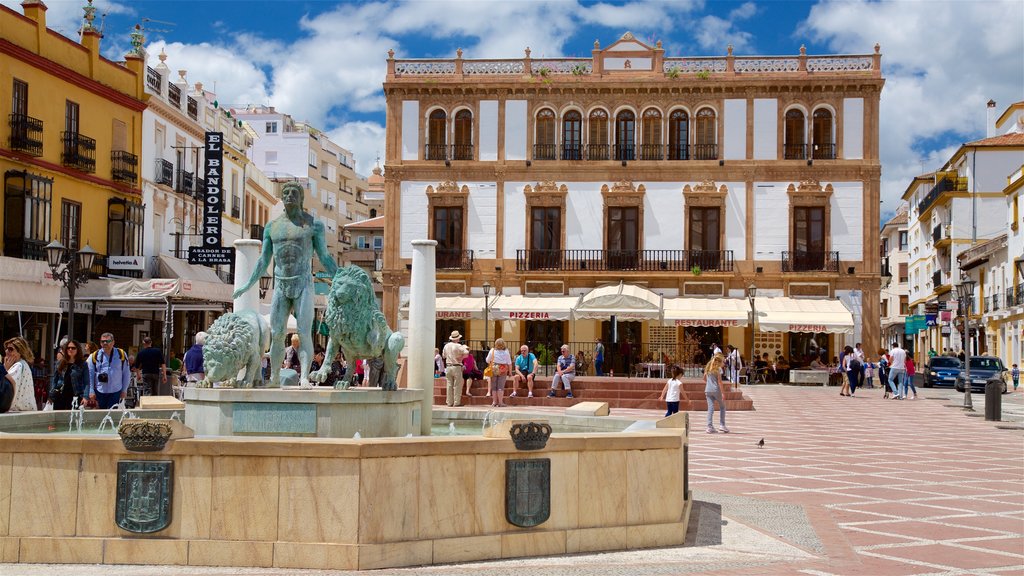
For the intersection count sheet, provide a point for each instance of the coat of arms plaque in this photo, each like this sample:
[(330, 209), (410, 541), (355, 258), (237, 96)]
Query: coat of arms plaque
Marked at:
[(527, 491), (144, 489)]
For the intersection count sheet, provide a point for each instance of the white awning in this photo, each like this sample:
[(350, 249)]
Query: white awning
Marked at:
[(455, 308), (519, 307), (171, 267), (784, 314), (707, 311), (28, 286), (110, 291), (624, 301)]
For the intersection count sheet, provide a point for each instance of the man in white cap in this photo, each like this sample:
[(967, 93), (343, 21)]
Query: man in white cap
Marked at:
[(453, 353)]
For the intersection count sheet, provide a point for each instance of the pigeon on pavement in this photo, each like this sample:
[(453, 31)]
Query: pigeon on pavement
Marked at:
[(760, 443)]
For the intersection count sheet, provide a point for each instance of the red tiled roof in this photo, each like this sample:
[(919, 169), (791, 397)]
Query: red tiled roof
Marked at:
[(899, 218), (368, 224), (1011, 139)]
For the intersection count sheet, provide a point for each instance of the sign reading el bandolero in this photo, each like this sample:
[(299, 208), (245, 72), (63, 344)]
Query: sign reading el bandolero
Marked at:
[(211, 251), (807, 328), (706, 322)]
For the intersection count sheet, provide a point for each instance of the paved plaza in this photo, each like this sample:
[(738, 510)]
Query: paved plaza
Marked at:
[(842, 486)]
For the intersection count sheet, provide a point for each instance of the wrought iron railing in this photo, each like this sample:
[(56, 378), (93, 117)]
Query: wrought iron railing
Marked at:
[(598, 152), (652, 152), (236, 212), (950, 184), (810, 261), (937, 233), (1015, 299), (124, 166), (451, 259), (26, 134), (153, 79), (545, 151), (174, 94), (185, 183), (193, 108), (79, 151), (164, 173), (462, 151), (795, 151), (705, 151), (678, 152), (182, 242), (625, 152), (641, 260), (824, 152), (25, 248), (572, 152), (937, 278), (436, 152), (256, 231)]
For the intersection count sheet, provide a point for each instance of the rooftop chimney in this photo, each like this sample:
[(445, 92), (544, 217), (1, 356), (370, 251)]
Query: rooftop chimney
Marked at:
[(990, 120)]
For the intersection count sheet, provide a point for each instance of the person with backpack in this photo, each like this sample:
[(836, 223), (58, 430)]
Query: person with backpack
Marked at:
[(109, 373)]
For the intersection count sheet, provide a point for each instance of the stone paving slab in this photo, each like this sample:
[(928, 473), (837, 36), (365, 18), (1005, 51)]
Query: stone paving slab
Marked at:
[(843, 486)]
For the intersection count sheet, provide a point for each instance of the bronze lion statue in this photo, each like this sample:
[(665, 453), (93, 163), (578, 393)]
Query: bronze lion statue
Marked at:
[(357, 327)]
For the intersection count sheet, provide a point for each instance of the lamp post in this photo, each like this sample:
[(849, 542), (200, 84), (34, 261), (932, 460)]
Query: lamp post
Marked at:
[(751, 295), (487, 293), (965, 291), (71, 270)]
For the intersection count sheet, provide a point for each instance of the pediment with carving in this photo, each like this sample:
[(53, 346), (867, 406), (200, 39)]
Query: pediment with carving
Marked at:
[(448, 193), (705, 194), (809, 192), (623, 193), (547, 193)]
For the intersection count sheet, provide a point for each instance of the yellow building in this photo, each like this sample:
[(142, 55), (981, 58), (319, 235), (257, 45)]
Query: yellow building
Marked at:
[(69, 158)]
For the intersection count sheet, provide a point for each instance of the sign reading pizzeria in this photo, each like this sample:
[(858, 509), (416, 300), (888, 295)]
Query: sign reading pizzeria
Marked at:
[(807, 328)]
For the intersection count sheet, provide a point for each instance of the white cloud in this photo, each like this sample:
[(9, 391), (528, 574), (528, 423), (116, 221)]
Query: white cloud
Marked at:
[(942, 62), (232, 76), (364, 139), (66, 16)]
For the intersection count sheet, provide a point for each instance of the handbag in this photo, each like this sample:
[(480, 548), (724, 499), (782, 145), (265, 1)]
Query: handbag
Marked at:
[(488, 372), (499, 369)]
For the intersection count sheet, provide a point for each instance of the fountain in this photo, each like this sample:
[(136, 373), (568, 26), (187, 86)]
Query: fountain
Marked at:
[(353, 501)]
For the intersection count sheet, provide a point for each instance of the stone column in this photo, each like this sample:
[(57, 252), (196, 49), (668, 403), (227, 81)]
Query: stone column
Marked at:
[(422, 310), (247, 254)]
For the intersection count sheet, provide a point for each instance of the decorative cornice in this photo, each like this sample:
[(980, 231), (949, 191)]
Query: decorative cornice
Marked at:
[(623, 192)]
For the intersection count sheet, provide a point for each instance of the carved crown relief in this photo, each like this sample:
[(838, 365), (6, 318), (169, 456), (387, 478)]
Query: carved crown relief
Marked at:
[(448, 193), (623, 192), (705, 194), (809, 192), (547, 193)]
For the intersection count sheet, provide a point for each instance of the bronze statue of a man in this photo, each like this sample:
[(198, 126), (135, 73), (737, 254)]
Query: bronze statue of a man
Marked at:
[(291, 239)]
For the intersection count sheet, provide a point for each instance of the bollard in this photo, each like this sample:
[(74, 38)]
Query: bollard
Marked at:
[(994, 400)]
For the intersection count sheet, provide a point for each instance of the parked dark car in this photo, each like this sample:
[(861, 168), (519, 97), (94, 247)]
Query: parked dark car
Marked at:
[(941, 371), (984, 369)]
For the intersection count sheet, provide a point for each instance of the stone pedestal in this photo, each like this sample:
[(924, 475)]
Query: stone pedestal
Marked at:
[(324, 413), (809, 377)]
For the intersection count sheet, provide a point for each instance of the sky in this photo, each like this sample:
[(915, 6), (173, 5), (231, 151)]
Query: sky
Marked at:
[(324, 62)]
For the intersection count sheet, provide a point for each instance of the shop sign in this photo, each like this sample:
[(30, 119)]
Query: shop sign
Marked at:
[(706, 322), (807, 328), (529, 316), (126, 263), (453, 315)]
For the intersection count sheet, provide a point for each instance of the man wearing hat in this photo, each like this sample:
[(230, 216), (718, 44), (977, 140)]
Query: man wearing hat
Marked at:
[(453, 353)]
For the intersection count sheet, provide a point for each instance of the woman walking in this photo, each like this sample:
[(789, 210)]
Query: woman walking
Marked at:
[(844, 370), (908, 380), (670, 394), (501, 366), (17, 361), (71, 378), (713, 393)]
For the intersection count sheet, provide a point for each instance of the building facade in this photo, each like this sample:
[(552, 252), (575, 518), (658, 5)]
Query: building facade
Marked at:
[(70, 154), (895, 279), (953, 210), (676, 177)]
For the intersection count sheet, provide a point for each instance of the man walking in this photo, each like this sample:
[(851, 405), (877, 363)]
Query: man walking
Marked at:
[(897, 368), (735, 364), (453, 353), (109, 373), (150, 363), (599, 358)]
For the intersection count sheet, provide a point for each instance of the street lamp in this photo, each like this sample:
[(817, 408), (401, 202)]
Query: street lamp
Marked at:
[(264, 285), (965, 291), (751, 295), (487, 292), (71, 270)]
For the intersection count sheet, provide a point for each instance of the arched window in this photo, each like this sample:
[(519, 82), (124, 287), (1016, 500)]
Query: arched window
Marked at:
[(625, 135), (597, 146), (795, 146), (437, 128), (462, 148), (678, 135), (544, 146), (572, 135), (705, 143), (650, 149), (824, 144)]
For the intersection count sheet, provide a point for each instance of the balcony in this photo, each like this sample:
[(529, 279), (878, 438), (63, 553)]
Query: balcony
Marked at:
[(824, 152), (452, 259), (164, 173), (462, 152), (436, 152), (174, 95), (810, 261), (946, 184), (598, 152), (25, 248), (639, 260), (678, 152), (79, 152), (26, 134), (185, 183), (256, 231), (1013, 299), (705, 151), (795, 151), (572, 151), (651, 152), (153, 79), (625, 152), (124, 167), (236, 212), (995, 302), (545, 151), (936, 279), (193, 108)]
